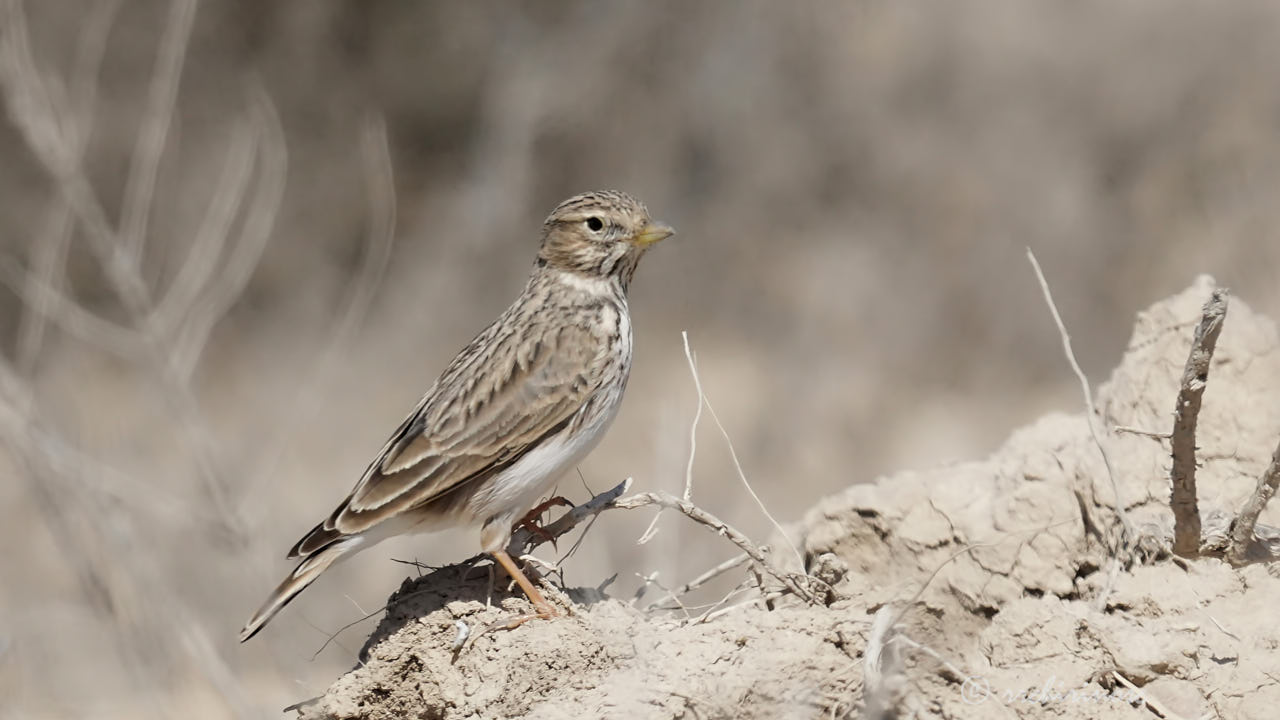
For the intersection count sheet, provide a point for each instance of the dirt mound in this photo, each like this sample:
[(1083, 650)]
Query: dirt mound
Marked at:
[(992, 586), (605, 659)]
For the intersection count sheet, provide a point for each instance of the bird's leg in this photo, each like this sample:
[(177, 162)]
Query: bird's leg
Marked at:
[(530, 520), (542, 608)]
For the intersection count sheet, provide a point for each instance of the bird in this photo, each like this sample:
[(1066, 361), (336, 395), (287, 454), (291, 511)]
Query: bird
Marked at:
[(528, 398)]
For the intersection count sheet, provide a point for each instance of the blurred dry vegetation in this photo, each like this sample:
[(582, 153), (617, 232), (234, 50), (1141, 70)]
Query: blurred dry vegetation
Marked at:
[(238, 240)]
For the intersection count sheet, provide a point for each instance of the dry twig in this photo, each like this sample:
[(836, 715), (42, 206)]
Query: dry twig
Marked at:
[(1120, 545), (1150, 702), (808, 588), (652, 529), (1239, 540), (522, 540), (706, 577), (1139, 431), (56, 128), (1088, 402), (1186, 513), (1242, 531), (795, 582)]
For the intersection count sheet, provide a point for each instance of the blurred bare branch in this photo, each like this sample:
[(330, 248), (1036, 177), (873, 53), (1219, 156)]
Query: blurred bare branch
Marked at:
[(47, 302), (380, 186), (217, 297), (48, 258), (201, 261), (192, 310), (139, 192), (380, 237), (96, 514)]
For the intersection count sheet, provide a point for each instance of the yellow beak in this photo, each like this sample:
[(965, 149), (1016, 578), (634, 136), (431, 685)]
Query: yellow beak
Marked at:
[(652, 233)]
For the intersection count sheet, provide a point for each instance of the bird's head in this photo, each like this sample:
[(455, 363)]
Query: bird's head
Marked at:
[(600, 235)]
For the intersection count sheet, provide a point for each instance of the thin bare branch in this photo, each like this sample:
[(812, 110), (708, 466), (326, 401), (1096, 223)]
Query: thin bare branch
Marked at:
[(139, 190), (796, 583), (1242, 532), (807, 588), (49, 253), (651, 580), (91, 45), (1143, 433), (742, 476), (47, 302), (255, 232), (87, 514), (47, 258), (201, 262), (1182, 475), (1150, 702), (522, 540), (652, 529), (733, 454), (380, 190), (1088, 400), (697, 415), (674, 595), (718, 612)]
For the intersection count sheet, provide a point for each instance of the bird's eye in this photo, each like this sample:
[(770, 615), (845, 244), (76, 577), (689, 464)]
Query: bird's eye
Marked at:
[(595, 224)]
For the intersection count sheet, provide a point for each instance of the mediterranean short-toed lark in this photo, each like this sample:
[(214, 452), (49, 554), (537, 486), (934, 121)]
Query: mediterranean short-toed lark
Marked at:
[(527, 399)]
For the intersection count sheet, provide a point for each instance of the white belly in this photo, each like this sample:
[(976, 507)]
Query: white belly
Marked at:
[(505, 498), (508, 496)]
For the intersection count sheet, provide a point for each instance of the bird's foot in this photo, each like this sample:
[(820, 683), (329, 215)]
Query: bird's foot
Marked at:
[(541, 608), (530, 520), (545, 612)]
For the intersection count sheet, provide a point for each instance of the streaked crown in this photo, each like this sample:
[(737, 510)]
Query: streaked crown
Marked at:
[(600, 234)]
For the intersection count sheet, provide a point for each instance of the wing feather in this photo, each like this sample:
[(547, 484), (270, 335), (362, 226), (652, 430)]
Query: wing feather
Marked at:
[(468, 426)]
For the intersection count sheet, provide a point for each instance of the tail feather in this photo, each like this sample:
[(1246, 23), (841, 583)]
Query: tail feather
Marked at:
[(307, 571)]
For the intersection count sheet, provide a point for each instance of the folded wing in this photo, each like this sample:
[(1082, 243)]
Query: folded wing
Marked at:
[(466, 428)]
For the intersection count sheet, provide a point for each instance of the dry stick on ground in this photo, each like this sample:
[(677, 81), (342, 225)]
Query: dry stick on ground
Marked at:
[(1239, 540), (1088, 400), (808, 588), (522, 540), (1120, 547), (704, 401), (706, 577), (1186, 513), (1149, 701), (1242, 532), (803, 586)]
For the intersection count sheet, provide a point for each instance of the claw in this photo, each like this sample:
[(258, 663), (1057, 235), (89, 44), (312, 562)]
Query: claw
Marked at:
[(530, 520), (542, 609)]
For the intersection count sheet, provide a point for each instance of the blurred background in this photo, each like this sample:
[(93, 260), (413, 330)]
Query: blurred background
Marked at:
[(240, 239)]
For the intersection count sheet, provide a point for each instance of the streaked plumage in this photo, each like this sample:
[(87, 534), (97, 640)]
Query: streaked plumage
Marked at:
[(524, 401)]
